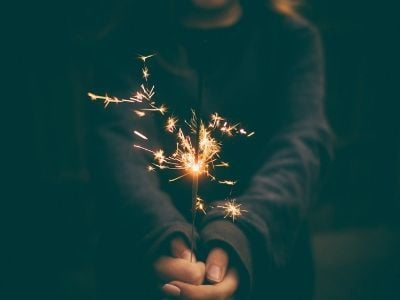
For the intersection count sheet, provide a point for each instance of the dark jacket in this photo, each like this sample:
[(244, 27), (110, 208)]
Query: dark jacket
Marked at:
[(265, 72)]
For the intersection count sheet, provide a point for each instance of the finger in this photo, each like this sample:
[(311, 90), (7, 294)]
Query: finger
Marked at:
[(171, 290), (223, 290), (216, 265), (169, 268), (180, 249)]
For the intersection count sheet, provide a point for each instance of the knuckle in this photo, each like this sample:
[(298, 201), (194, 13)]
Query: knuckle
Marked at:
[(196, 276), (183, 253), (179, 249)]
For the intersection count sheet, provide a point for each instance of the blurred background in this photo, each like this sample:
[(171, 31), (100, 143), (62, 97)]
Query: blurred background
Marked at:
[(48, 240)]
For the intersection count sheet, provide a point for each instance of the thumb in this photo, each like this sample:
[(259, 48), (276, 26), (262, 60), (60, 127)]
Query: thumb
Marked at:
[(180, 249), (216, 265)]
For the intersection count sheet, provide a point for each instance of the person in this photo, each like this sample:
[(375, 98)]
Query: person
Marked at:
[(262, 65)]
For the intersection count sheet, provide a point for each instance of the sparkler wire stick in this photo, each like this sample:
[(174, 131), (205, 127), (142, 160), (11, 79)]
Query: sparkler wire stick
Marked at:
[(195, 180)]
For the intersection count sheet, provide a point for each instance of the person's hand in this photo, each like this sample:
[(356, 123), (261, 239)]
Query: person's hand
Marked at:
[(178, 266), (224, 281)]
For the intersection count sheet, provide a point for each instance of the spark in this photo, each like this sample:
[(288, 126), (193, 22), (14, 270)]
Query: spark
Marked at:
[(145, 69), (220, 123), (143, 148), (144, 57), (185, 158), (185, 155), (232, 209), (171, 124), (145, 72), (159, 156), (140, 135), (139, 113), (161, 109), (107, 99), (215, 120), (229, 129), (242, 131), (200, 205), (227, 182), (137, 97), (144, 93), (222, 164)]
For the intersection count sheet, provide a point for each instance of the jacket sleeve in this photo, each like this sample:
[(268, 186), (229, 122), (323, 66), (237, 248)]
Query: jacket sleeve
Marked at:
[(280, 192), (137, 209)]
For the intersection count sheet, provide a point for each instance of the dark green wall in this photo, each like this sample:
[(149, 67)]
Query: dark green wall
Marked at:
[(53, 226)]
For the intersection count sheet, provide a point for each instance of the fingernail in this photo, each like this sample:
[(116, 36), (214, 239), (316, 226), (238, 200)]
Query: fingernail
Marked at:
[(214, 273), (171, 290)]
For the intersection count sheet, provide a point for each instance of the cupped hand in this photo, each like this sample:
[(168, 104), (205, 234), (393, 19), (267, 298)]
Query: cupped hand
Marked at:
[(223, 281), (178, 266)]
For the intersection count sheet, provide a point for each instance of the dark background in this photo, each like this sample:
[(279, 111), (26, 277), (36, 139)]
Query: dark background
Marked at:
[(50, 224)]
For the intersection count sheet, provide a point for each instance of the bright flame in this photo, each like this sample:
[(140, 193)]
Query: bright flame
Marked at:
[(196, 168)]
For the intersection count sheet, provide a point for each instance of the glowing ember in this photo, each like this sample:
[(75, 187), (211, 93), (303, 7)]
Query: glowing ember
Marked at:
[(232, 209), (200, 205), (171, 124), (140, 135)]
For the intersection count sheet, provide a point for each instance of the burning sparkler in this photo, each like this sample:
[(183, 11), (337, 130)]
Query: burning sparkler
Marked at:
[(197, 148)]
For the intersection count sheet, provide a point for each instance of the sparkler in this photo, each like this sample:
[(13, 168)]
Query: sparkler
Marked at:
[(197, 148)]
